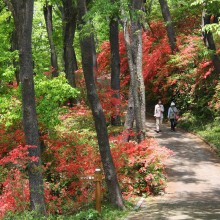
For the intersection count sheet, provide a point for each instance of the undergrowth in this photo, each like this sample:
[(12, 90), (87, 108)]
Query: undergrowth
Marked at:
[(69, 152), (108, 213), (208, 129)]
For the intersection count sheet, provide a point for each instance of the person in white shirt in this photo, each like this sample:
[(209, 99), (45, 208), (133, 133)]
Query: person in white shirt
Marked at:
[(158, 114), (172, 113)]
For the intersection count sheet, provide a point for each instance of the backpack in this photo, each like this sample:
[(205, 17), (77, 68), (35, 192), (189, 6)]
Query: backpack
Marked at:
[(172, 113)]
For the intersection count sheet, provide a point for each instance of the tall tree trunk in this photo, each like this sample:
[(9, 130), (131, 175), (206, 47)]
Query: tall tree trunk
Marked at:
[(169, 26), (133, 43), (136, 46), (87, 50), (23, 15), (209, 41), (69, 23), (69, 56), (115, 67), (129, 119), (49, 25)]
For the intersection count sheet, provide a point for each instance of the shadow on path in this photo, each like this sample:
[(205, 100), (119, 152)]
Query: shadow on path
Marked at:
[(193, 189)]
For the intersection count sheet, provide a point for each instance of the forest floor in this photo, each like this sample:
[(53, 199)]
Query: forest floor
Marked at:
[(193, 188)]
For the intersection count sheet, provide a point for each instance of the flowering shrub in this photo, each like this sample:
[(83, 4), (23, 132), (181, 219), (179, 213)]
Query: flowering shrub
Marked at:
[(187, 76), (140, 166), (69, 155), (15, 189), (15, 192), (111, 105)]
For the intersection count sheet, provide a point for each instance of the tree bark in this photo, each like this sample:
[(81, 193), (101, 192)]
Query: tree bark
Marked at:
[(129, 119), (22, 11), (115, 67), (169, 26), (133, 43), (87, 50), (69, 23), (49, 25), (209, 41), (69, 56), (139, 103)]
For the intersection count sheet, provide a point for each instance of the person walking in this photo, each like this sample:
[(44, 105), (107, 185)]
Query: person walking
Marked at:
[(158, 114), (172, 113)]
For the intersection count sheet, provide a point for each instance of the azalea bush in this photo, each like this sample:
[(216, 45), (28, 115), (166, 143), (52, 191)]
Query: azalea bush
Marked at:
[(140, 166), (69, 155), (187, 76), (156, 51), (14, 183)]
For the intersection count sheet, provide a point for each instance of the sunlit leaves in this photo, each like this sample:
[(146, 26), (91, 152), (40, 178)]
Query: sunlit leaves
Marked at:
[(212, 6), (10, 109), (6, 56), (51, 95)]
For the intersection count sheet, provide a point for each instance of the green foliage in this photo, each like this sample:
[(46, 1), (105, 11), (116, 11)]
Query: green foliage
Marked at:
[(27, 215), (83, 125), (211, 134), (99, 13), (182, 9), (58, 32), (51, 95), (40, 48), (192, 77), (207, 129), (6, 56), (10, 108), (214, 28), (212, 6), (3, 174), (90, 214), (188, 122), (108, 213), (33, 215)]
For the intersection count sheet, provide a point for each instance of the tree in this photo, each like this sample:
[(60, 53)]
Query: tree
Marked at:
[(208, 38), (69, 27), (49, 25), (89, 64), (22, 11), (169, 26), (133, 41), (115, 63), (210, 25)]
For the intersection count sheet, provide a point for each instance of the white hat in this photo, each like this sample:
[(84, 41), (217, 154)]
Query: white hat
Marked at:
[(172, 104)]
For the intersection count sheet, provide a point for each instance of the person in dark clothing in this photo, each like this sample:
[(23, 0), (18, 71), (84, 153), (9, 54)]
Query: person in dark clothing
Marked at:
[(172, 113)]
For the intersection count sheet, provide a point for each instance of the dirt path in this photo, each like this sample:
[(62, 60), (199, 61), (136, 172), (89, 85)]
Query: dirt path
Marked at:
[(193, 190)]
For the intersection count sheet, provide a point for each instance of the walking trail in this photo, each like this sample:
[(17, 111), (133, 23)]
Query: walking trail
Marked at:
[(193, 189)]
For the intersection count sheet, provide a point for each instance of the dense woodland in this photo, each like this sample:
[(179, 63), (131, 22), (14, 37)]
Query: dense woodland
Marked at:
[(78, 80)]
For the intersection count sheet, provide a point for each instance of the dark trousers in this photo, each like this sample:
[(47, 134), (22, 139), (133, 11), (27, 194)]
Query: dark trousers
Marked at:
[(173, 125)]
